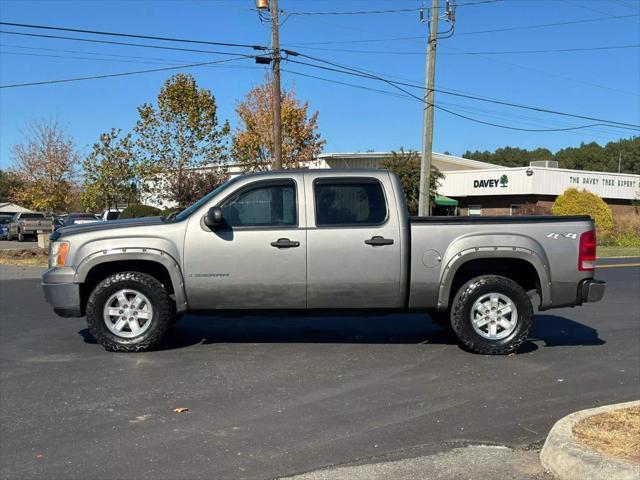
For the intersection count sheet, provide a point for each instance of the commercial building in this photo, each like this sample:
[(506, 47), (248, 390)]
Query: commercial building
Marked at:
[(471, 187), (481, 188)]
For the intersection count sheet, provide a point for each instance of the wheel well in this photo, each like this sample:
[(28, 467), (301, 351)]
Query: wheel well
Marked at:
[(516, 269), (103, 270)]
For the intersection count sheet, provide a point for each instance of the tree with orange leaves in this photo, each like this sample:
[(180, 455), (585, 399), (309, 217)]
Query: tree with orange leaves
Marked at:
[(253, 138)]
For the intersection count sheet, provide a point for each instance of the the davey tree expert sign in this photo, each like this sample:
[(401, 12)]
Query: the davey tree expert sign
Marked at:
[(502, 181), (539, 181)]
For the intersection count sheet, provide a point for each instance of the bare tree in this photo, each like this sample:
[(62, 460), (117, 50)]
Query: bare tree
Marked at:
[(46, 163)]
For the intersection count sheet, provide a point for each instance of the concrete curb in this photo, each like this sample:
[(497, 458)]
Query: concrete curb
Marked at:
[(569, 460)]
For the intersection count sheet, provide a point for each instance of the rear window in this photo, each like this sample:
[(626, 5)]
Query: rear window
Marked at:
[(349, 202), (31, 216)]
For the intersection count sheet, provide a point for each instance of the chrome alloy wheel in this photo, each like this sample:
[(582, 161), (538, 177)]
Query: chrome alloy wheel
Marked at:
[(127, 313), (494, 316)]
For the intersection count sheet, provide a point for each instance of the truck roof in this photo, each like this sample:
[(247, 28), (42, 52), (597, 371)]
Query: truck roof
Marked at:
[(324, 171)]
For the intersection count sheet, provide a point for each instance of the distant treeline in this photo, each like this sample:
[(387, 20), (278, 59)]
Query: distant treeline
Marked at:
[(588, 156)]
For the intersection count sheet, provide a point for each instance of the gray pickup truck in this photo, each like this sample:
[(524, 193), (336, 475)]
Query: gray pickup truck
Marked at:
[(25, 225), (320, 241)]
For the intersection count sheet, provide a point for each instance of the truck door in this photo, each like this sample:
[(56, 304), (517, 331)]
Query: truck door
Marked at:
[(259, 259), (353, 244)]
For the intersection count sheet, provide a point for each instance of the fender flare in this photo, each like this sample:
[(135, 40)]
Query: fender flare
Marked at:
[(530, 256), (137, 253)]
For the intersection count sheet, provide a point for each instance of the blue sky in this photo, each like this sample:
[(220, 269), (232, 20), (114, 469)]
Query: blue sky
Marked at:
[(598, 83)]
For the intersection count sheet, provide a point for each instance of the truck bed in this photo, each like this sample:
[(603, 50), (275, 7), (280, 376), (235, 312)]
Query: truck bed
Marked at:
[(540, 246)]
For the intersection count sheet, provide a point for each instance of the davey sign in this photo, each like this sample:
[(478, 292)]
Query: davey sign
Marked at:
[(503, 182)]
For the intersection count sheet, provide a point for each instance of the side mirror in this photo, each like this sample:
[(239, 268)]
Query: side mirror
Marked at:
[(213, 219)]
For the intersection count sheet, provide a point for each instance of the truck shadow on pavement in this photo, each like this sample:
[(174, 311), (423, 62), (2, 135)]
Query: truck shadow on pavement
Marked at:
[(550, 330)]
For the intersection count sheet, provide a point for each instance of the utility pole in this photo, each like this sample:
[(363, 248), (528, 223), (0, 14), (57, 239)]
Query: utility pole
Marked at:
[(277, 116), (619, 161), (424, 203)]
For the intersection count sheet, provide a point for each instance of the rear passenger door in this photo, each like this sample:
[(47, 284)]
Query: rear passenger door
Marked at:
[(353, 244)]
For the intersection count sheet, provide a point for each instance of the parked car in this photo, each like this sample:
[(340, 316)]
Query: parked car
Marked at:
[(320, 241), (5, 220), (111, 214), (25, 225), (80, 218)]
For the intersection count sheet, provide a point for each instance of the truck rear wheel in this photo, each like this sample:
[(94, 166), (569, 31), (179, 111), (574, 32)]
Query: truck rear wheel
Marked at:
[(129, 312), (491, 315)]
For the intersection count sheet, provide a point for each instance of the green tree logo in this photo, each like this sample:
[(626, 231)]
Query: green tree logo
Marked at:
[(504, 181)]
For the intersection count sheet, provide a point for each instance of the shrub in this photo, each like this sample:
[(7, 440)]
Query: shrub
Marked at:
[(626, 230), (581, 202), (138, 210)]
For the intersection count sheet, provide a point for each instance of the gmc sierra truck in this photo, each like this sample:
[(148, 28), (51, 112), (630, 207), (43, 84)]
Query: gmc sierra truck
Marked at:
[(320, 241)]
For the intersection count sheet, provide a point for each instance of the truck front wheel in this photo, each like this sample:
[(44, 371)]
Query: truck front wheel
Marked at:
[(129, 312), (491, 315)]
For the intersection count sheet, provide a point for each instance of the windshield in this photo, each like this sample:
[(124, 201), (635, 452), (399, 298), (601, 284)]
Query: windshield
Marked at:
[(26, 216), (189, 210)]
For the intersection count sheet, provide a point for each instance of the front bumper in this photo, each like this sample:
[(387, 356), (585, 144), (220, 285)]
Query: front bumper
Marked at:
[(592, 290), (61, 293)]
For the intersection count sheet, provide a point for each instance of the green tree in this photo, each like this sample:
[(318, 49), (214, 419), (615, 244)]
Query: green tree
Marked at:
[(45, 163), (407, 166), (510, 156), (179, 138), (110, 172), (587, 156)]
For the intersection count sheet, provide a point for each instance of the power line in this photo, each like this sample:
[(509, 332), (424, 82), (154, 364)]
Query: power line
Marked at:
[(123, 74), (351, 71), (573, 129), (132, 35), (451, 112), (500, 52), (111, 42), (495, 30), (481, 2), (547, 73), (545, 25), (362, 12)]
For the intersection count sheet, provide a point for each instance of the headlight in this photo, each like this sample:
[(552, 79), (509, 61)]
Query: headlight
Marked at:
[(58, 254)]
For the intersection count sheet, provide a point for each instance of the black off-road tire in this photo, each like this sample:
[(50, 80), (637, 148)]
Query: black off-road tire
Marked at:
[(162, 318), (461, 315)]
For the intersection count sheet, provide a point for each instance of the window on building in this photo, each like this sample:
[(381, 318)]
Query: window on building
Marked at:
[(516, 209), (349, 202), (475, 210), (269, 205)]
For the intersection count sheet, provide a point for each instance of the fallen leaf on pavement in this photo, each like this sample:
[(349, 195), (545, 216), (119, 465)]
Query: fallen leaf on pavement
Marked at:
[(180, 410)]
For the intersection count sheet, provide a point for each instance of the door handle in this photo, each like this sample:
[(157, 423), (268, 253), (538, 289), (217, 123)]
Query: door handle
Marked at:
[(377, 241), (285, 243)]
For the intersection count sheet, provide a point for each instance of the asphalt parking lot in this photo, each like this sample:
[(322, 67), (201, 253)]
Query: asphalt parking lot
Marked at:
[(270, 397)]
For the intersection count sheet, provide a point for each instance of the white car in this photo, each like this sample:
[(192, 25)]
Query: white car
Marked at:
[(111, 214)]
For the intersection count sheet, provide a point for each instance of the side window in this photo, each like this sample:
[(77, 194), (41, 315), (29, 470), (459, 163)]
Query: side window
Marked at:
[(269, 205), (352, 202)]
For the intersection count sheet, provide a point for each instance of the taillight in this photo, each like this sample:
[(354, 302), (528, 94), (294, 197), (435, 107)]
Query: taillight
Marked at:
[(587, 251)]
